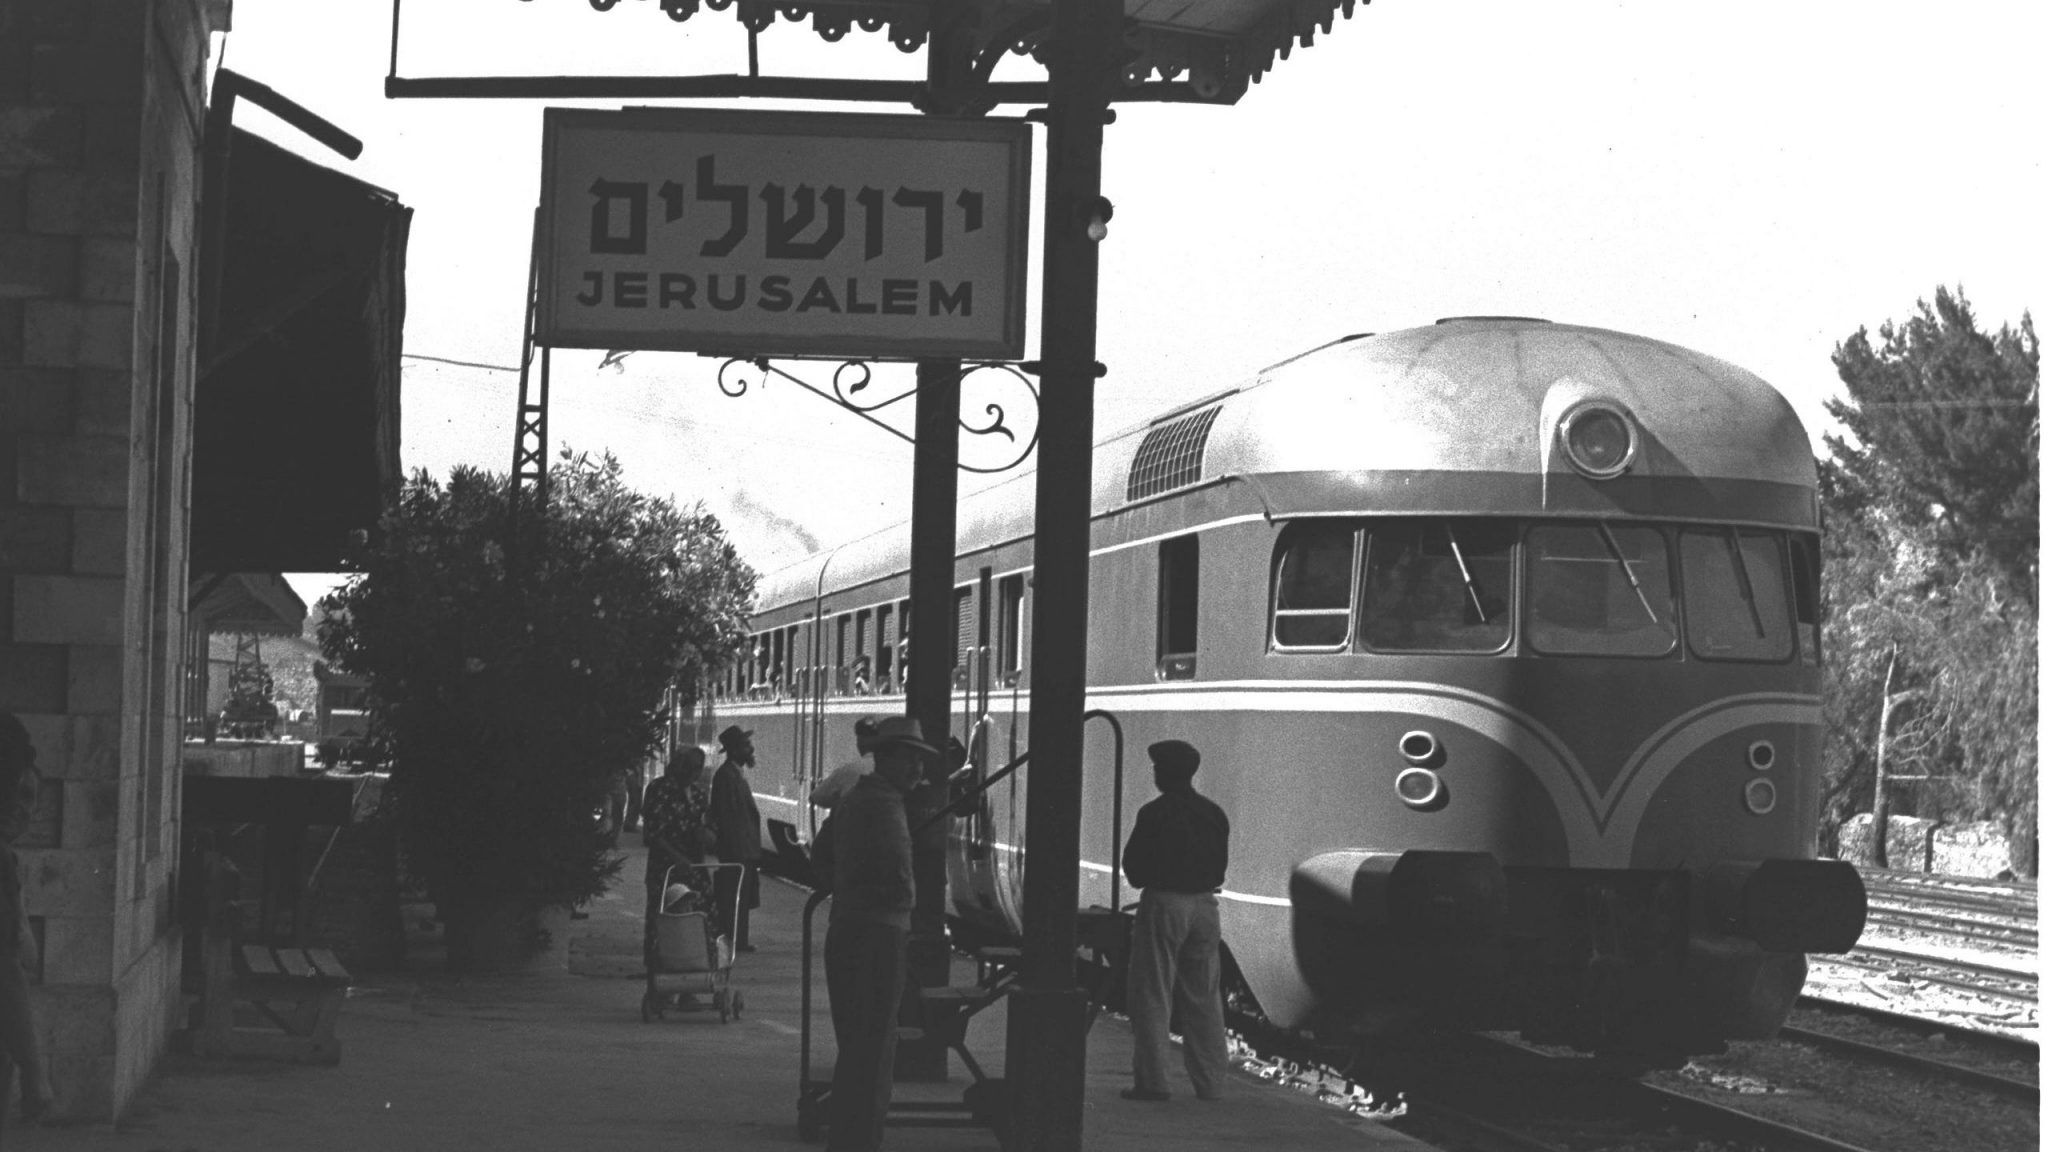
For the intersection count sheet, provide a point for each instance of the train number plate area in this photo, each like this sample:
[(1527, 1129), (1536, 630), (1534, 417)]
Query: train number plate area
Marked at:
[(1595, 959)]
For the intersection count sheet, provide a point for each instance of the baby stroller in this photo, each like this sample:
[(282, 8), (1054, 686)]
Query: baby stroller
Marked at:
[(690, 957)]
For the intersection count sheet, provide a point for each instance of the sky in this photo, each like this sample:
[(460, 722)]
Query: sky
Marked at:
[(1752, 180)]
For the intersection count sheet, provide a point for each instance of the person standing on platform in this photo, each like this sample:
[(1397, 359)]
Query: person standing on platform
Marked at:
[(864, 850), (1177, 852), (19, 1048), (674, 824), (736, 829), (837, 782)]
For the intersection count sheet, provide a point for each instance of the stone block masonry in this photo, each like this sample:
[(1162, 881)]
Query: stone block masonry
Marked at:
[(100, 108)]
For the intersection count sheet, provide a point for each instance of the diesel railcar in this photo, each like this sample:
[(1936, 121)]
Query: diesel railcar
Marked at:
[(1500, 639)]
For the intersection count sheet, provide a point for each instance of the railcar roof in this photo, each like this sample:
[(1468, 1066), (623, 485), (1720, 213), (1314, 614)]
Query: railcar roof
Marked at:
[(1460, 398)]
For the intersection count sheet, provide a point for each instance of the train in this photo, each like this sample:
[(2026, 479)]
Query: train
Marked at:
[(1500, 639)]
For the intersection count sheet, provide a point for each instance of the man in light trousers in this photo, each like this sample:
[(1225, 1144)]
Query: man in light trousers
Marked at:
[(1177, 852)]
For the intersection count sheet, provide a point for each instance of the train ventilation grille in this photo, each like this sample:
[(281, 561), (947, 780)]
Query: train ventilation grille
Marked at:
[(1171, 455)]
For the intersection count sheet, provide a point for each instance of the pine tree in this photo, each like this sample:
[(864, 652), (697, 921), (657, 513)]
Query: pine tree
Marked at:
[(1946, 430)]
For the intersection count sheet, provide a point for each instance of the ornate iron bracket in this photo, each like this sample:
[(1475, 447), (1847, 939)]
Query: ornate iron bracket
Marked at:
[(850, 378)]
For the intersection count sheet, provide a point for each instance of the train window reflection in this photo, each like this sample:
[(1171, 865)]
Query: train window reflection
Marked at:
[(1437, 586), (1599, 589), (1312, 590), (1735, 605)]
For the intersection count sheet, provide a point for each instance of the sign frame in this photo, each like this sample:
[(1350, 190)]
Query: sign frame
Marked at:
[(552, 328)]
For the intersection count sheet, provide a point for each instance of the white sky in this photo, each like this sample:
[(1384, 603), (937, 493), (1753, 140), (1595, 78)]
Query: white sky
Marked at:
[(1753, 180)]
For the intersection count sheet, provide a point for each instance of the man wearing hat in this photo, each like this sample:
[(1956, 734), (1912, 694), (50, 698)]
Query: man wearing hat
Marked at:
[(840, 780), (1177, 852), (736, 828), (864, 850)]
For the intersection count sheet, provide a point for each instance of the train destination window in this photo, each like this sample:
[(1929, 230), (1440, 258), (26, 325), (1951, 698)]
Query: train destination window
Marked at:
[(1735, 607), (1312, 588), (1600, 590), (1437, 586), (1180, 574)]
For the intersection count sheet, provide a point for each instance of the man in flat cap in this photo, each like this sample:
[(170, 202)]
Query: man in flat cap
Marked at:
[(736, 828), (1177, 852), (865, 851)]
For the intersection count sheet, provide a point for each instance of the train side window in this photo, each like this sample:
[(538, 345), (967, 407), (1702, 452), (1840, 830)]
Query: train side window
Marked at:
[(1312, 586), (885, 648), (1735, 604), (1437, 586), (903, 645), (963, 634), (1180, 575), (1600, 590), (842, 659), (1806, 594), (1010, 629), (862, 675)]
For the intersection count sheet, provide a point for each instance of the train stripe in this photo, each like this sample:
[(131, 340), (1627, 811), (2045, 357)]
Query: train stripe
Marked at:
[(1599, 827)]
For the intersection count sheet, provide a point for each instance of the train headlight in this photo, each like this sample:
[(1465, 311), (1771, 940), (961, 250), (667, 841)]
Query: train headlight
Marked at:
[(1419, 788), (1760, 796), (1762, 755), (1599, 440)]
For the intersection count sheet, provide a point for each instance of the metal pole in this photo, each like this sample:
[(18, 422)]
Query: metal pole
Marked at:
[(935, 488), (1047, 1049)]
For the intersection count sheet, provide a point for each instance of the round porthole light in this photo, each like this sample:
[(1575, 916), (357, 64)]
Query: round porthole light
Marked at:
[(1418, 748), (1760, 796), (1599, 440), (1419, 787), (1762, 755)]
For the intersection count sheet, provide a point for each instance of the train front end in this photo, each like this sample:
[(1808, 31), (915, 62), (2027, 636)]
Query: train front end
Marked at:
[(1557, 626)]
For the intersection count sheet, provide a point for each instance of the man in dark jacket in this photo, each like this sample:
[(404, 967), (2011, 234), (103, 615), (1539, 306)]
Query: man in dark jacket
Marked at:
[(1178, 851), (736, 825), (865, 851)]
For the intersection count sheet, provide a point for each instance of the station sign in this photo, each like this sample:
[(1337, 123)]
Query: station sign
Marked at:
[(783, 233)]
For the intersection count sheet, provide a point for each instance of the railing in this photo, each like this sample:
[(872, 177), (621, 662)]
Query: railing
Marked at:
[(1116, 847)]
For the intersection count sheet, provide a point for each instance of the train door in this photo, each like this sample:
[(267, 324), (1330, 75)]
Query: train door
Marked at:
[(1001, 742)]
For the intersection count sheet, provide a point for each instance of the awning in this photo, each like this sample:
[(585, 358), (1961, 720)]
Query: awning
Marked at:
[(296, 426), (247, 602)]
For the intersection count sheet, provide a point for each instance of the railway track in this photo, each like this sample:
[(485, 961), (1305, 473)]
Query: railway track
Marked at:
[(1948, 971), (1997, 933), (1530, 1100), (2021, 1090)]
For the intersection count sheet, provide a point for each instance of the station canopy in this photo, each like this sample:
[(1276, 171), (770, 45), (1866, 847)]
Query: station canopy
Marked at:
[(1191, 50)]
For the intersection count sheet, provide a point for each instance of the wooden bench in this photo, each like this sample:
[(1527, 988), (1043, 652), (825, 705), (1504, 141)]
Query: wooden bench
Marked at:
[(291, 996)]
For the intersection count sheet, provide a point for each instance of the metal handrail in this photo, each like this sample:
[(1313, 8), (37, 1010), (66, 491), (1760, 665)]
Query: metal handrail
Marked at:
[(1116, 806), (962, 799)]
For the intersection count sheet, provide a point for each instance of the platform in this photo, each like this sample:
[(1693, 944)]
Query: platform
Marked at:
[(562, 1060)]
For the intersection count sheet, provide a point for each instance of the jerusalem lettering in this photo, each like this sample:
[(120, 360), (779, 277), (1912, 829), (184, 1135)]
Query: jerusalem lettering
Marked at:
[(729, 292)]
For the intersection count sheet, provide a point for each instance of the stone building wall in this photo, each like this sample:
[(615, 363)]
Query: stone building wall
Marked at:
[(101, 111)]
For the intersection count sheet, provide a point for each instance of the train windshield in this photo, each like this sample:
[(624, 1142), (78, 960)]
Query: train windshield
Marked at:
[(1600, 589), (1437, 586), (1735, 598)]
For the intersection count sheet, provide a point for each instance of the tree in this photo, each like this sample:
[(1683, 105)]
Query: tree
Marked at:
[(1946, 432), (1929, 582), (505, 695)]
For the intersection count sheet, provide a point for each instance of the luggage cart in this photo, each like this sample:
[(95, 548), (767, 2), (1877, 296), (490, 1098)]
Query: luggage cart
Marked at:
[(691, 958)]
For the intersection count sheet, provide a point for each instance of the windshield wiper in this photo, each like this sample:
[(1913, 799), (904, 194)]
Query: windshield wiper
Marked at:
[(1742, 580), (1614, 550), (1471, 589)]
